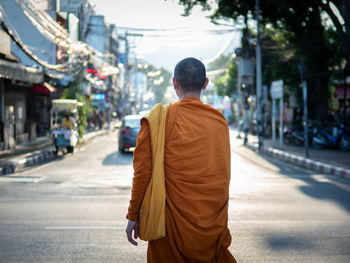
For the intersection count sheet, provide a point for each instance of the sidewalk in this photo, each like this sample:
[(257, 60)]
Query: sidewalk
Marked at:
[(34, 153), (327, 161)]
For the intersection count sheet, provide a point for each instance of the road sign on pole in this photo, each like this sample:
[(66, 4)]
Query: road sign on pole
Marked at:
[(277, 89), (276, 92)]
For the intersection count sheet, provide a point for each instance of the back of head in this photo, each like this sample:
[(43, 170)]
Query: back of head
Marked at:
[(190, 73)]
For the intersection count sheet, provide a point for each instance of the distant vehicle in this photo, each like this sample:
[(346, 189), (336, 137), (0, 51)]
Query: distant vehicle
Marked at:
[(64, 137), (128, 132)]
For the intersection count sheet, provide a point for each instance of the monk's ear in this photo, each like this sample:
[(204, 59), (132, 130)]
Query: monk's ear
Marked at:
[(177, 87), (205, 83), (175, 84)]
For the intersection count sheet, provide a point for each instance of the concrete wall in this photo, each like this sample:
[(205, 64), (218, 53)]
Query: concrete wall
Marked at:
[(98, 34)]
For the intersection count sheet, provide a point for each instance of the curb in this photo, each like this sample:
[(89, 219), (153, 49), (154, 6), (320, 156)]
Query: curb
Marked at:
[(12, 167), (15, 166), (304, 162), (90, 136)]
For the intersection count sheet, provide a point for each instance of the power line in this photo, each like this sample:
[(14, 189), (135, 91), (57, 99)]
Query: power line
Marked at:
[(79, 52), (149, 29), (177, 31)]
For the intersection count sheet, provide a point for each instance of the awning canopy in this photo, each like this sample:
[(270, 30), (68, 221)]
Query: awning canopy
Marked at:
[(49, 87), (65, 104), (19, 72), (45, 88)]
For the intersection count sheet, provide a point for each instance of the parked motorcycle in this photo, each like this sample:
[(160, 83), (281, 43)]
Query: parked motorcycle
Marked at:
[(296, 137), (336, 138)]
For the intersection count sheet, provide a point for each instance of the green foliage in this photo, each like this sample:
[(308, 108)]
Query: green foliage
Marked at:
[(219, 63), (159, 90), (226, 80), (298, 32), (158, 87), (83, 112), (221, 84), (74, 91), (226, 85), (279, 61), (232, 80)]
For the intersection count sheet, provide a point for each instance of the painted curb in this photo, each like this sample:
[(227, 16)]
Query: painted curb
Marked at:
[(310, 164), (12, 167)]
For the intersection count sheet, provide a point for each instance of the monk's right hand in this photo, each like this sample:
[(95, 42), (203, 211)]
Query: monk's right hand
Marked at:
[(132, 226)]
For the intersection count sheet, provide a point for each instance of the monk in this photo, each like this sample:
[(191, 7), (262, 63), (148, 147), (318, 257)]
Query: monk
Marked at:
[(197, 176)]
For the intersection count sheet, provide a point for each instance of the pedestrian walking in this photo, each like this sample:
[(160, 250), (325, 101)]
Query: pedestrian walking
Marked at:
[(100, 120), (196, 166)]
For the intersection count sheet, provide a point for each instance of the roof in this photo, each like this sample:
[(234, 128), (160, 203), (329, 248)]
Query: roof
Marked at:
[(16, 71), (65, 104)]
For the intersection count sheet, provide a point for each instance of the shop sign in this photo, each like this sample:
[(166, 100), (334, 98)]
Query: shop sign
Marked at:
[(97, 96)]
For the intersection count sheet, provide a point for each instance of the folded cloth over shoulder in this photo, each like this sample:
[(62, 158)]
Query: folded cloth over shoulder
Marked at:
[(152, 213)]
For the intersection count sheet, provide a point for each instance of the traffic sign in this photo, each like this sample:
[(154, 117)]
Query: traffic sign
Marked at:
[(276, 90)]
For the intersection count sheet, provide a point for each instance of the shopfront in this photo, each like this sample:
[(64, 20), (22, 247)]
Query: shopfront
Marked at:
[(15, 79)]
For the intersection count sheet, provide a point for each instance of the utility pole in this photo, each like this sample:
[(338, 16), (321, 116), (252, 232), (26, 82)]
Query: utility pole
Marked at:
[(258, 78), (302, 70), (126, 74), (125, 93), (345, 97), (245, 79)]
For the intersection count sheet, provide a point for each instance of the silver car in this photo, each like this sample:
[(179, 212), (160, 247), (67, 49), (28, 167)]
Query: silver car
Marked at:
[(128, 132)]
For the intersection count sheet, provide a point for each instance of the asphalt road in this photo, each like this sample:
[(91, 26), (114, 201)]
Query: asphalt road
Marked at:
[(73, 210)]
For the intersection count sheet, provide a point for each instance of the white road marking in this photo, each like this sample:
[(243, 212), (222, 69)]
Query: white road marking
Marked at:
[(21, 179), (85, 227), (94, 196)]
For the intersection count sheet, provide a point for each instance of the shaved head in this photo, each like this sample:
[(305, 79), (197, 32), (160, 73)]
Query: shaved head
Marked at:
[(190, 74)]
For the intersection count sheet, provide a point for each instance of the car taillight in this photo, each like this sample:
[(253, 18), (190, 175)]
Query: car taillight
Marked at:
[(126, 131)]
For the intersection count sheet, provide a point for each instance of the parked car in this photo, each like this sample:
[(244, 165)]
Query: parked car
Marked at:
[(128, 132)]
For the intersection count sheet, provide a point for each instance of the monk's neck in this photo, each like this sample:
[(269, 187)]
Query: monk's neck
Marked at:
[(190, 95)]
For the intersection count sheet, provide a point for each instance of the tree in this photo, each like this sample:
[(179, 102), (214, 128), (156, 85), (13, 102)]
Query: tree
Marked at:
[(161, 84), (285, 12), (221, 85), (158, 80), (304, 27), (219, 63), (223, 73), (226, 85), (74, 91)]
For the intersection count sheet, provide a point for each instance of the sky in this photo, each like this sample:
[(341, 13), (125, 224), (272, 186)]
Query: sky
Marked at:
[(173, 37)]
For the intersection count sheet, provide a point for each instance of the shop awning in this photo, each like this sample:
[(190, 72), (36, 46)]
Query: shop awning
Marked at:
[(45, 88), (49, 87), (19, 72), (65, 104)]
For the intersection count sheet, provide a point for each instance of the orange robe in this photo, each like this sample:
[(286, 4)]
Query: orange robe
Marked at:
[(197, 176)]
